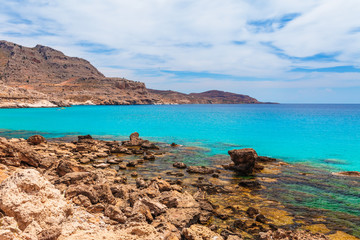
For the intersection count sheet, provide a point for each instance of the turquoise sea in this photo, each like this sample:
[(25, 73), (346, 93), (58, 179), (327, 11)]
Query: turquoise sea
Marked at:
[(323, 135), (317, 138)]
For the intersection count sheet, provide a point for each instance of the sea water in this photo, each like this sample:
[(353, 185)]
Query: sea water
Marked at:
[(322, 135)]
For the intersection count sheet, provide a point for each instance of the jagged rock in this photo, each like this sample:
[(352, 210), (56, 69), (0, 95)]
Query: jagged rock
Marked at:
[(31, 199), (179, 165), (200, 232), (244, 160), (36, 139), (140, 207), (115, 214), (156, 208), (67, 166)]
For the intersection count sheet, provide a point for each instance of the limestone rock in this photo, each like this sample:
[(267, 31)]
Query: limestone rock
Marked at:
[(29, 198)]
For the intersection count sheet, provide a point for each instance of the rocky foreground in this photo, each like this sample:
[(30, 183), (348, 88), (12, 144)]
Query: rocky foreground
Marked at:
[(94, 189), (44, 77)]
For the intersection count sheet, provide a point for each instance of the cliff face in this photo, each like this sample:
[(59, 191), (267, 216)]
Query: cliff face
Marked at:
[(43, 73)]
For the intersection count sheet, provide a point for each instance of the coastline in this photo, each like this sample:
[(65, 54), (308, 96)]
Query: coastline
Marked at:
[(231, 194)]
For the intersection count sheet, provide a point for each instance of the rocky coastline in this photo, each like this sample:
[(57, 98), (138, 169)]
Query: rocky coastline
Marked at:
[(45, 77), (98, 189)]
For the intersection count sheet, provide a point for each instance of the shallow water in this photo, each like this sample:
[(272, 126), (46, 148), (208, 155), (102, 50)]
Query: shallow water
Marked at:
[(327, 136)]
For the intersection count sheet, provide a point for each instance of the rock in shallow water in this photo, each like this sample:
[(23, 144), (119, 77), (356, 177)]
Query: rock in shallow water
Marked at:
[(244, 160)]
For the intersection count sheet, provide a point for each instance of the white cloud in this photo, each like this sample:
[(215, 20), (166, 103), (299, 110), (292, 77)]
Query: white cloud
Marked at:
[(197, 36)]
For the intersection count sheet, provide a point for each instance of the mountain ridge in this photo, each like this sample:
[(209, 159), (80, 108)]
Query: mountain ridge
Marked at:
[(49, 75)]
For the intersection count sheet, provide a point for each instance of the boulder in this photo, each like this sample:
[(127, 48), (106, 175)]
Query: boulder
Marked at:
[(32, 201), (36, 139), (115, 214), (244, 160)]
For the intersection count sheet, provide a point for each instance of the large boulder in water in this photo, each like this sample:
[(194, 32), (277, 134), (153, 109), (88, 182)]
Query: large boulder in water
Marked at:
[(244, 160)]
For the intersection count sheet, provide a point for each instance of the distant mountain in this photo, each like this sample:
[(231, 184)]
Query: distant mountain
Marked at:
[(44, 76), (208, 97)]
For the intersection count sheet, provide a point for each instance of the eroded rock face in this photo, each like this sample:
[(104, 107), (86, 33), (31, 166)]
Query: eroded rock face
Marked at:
[(244, 160), (34, 203)]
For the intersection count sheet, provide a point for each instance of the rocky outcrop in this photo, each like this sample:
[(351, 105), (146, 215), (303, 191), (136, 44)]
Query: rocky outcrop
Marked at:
[(244, 160), (44, 77)]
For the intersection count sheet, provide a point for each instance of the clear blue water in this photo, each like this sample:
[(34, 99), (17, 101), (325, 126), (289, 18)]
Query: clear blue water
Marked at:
[(322, 135)]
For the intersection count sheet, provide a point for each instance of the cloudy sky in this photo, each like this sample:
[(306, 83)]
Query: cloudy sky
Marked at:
[(275, 50)]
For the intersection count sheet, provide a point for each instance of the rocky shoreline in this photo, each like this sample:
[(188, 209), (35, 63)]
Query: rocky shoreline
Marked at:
[(97, 189)]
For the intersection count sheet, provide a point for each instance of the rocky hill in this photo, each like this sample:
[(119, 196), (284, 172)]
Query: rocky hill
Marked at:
[(208, 97), (42, 76)]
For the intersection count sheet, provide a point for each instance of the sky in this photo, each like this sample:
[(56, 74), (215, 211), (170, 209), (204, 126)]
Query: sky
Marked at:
[(287, 51)]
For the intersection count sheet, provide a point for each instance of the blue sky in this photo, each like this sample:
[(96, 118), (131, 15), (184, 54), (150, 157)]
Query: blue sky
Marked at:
[(275, 50)]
